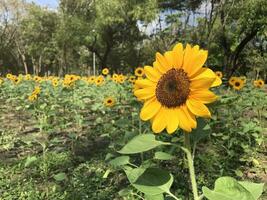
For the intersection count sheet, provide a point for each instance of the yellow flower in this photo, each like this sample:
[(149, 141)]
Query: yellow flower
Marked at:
[(139, 71), (121, 78), (33, 97), (9, 76), (109, 101), (99, 80), (1, 81), (176, 89), (238, 84), (243, 78), (219, 74), (91, 79), (27, 77), (131, 79), (105, 71), (55, 82), (37, 90), (37, 79), (232, 80), (259, 83)]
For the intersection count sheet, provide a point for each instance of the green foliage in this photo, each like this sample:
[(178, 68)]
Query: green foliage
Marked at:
[(227, 188)]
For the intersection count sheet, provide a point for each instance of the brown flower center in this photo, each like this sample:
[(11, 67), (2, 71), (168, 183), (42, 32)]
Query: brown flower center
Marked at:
[(173, 88), (237, 84)]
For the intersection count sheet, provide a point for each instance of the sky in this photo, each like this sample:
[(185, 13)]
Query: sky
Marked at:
[(48, 3)]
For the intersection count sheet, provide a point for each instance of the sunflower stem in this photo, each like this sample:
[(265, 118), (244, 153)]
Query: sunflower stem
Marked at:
[(190, 161)]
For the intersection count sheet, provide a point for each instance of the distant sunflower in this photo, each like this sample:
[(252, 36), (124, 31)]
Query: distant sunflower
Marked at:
[(132, 79), (105, 71), (238, 84), (32, 97), (99, 80), (176, 89), (232, 80), (139, 71), (219, 74), (259, 83), (109, 101)]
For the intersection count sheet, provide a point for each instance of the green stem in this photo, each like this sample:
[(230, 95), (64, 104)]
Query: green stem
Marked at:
[(190, 161), (173, 196)]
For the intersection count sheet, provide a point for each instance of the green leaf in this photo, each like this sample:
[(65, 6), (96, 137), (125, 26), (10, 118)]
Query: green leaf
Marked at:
[(119, 161), (60, 176), (163, 156), (141, 143), (30, 160), (151, 181), (256, 189), (227, 188), (154, 197)]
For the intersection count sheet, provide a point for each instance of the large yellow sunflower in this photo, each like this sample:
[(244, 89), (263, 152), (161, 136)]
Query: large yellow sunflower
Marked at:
[(176, 89)]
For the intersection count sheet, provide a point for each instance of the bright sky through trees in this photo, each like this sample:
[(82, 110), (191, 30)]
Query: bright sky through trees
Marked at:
[(48, 3)]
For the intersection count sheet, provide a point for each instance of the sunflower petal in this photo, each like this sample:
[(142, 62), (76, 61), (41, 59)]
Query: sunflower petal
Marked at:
[(190, 117), (159, 121), (188, 55), (217, 82), (198, 108), (173, 121), (152, 74), (201, 84), (183, 122), (205, 96), (170, 57), (150, 109), (163, 61), (179, 55), (144, 83), (198, 62), (158, 67), (145, 93)]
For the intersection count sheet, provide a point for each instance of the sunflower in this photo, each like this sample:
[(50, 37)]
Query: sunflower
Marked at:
[(238, 84), (232, 80), (105, 71), (139, 71), (32, 97), (27, 77), (55, 82), (99, 80), (132, 79), (121, 78), (259, 83), (109, 101), (219, 74), (176, 89), (1, 81), (115, 78)]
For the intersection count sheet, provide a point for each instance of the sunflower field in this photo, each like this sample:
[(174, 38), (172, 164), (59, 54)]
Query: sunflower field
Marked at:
[(133, 100)]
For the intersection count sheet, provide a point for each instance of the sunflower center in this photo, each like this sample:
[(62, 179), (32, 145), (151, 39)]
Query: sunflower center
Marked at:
[(237, 84), (173, 88)]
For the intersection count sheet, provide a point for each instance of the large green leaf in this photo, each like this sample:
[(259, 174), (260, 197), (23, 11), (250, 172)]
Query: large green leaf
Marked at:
[(163, 156), (119, 161), (255, 189), (141, 143), (227, 188), (151, 181), (154, 197)]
